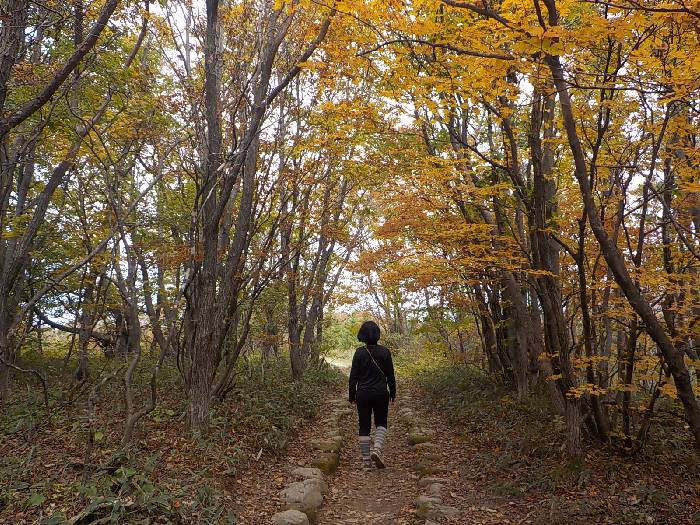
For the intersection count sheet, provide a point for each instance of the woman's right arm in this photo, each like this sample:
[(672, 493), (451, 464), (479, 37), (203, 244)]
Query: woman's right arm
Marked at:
[(391, 379), (354, 371)]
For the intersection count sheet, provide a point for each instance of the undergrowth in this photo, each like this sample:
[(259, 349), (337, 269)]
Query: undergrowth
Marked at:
[(514, 451), (465, 393), (165, 476), (269, 404)]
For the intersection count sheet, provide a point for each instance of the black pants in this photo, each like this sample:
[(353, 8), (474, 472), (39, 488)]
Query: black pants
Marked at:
[(369, 403)]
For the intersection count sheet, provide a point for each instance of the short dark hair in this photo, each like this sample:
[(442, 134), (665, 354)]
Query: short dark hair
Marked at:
[(369, 333)]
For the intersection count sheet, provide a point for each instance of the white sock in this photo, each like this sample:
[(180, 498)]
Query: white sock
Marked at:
[(379, 437)]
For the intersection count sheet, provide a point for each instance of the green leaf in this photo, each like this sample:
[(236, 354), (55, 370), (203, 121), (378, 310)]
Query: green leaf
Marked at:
[(55, 519), (35, 500)]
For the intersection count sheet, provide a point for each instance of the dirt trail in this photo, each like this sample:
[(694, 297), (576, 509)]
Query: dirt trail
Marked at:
[(388, 496), (378, 496)]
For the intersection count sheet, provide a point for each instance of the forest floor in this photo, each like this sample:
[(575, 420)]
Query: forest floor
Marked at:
[(503, 462), (514, 453), (50, 474)]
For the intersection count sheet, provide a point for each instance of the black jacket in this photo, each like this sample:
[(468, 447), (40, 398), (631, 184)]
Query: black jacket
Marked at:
[(367, 377)]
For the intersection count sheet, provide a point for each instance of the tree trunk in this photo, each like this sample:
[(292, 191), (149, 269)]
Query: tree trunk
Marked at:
[(271, 346), (488, 334), (545, 253), (599, 416), (87, 322), (202, 344), (573, 428), (519, 320), (628, 368)]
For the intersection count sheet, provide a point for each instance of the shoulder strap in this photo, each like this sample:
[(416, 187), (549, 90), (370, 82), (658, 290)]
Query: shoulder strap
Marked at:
[(375, 363)]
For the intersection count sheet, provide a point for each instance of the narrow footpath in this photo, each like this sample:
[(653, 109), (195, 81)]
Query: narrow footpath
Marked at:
[(386, 496), (320, 480)]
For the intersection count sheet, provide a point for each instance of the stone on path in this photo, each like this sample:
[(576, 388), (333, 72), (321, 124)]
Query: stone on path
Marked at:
[(317, 483), (435, 511), (418, 436), (341, 412), (326, 445), (303, 474), (429, 480), (428, 451), (304, 496), (408, 418), (427, 467), (332, 420), (330, 427), (432, 458), (427, 447), (326, 461), (307, 473), (425, 500), (290, 517), (435, 489)]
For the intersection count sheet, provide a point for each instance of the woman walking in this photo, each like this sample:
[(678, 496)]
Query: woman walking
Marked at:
[(372, 385)]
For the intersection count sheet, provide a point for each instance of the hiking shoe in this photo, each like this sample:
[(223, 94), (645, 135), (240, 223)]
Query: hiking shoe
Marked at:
[(378, 459), (367, 465)]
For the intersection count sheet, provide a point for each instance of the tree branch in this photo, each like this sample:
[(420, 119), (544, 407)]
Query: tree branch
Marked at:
[(449, 47), (30, 371), (29, 108), (103, 338)]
